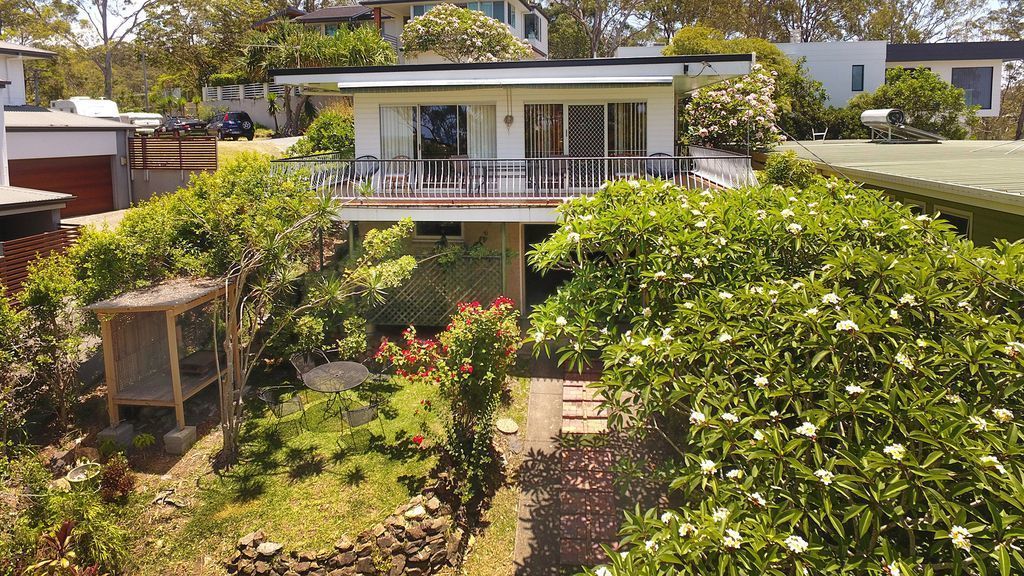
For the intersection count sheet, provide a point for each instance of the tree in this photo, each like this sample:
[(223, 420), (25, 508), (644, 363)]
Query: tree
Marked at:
[(34, 22), (108, 23), (273, 107), (738, 113), (929, 102), (462, 35), (567, 39), (909, 21), (1007, 23), (286, 45), (607, 23), (834, 379), (16, 393)]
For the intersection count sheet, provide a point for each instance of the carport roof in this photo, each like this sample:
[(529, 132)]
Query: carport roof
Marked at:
[(12, 49), (34, 119), (17, 197)]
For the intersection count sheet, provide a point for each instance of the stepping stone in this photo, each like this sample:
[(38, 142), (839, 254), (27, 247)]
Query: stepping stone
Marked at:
[(507, 426)]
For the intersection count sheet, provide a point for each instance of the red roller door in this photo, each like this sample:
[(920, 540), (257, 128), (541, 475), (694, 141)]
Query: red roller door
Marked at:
[(87, 177)]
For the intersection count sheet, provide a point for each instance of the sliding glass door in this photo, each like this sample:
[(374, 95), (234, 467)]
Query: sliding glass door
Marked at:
[(438, 131), (586, 130)]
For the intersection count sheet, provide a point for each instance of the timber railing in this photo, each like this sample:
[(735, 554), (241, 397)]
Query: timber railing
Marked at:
[(510, 179), (16, 256)]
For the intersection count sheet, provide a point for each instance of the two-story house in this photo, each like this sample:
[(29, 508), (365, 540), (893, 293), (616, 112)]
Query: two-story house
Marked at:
[(480, 155)]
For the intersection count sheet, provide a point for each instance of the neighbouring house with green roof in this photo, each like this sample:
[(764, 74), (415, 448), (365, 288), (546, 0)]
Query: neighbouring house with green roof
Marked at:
[(978, 186)]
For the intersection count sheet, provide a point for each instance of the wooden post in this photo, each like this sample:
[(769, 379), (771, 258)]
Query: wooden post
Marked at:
[(110, 371), (377, 19), (172, 349), (504, 264)]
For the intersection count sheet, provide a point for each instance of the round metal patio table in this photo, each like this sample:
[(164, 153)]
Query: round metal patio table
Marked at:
[(334, 378)]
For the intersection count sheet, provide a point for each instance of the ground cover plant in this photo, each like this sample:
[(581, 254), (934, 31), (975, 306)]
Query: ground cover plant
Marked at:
[(839, 377)]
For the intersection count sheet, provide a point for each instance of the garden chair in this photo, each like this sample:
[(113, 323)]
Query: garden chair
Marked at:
[(361, 416), (548, 174), (399, 174), (283, 401), (362, 169), (660, 165), (380, 368), (305, 362)]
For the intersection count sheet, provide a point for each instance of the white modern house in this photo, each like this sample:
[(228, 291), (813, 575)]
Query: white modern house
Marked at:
[(481, 155), (850, 68)]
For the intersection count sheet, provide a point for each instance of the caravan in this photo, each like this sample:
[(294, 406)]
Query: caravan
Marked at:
[(85, 106)]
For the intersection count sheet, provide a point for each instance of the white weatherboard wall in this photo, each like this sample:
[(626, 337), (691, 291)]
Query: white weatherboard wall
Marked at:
[(831, 63), (944, 69), (45, 144), (12, 69), (511, 141)]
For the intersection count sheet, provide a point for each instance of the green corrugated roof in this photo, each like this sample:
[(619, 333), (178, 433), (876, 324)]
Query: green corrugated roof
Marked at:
[(987, 167)]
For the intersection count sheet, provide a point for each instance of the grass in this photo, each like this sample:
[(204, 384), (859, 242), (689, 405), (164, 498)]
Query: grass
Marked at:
[(227, 149), (492, 551), (305, 487)]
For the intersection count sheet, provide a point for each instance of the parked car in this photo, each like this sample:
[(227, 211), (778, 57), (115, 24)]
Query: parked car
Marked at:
[(180, 125), (144, 122), (233, 125)]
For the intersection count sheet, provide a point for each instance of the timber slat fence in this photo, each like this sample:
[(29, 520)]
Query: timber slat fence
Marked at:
[(17, 255), (167, 153)]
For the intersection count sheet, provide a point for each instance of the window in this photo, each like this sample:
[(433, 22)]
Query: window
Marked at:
[(439, 131), (434, 230), (532, 24), (977, 85), (544, 124), (511, 15), (858, 78), (421, 9), (330, 29), (959, 219), (493, 9), (627, 129)]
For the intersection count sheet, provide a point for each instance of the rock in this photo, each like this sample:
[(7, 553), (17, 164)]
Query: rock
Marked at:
[(269, 548), (365, 566), (385, 542), (416, 511), (415, 533), (262, 568), (397, 565), (343, 545), (307, 556), (252, 539), (506, 426), (433, 505), (301, 567), (378, 530)]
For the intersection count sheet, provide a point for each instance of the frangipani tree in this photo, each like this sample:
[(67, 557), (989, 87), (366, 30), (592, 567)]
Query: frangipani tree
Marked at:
[(462, 35), (841, 391), (737, 113)]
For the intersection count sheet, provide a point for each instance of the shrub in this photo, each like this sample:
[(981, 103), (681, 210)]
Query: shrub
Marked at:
[(117, 479), (840, 389), (226, 79), (469, 362), (98, 539), (737, 113), (16, 394), (788, 169), (462, 35), (929, 102), (331, 131)]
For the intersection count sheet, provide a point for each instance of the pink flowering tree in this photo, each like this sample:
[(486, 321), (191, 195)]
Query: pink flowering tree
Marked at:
[(469, 362), (735, 113), (462, 35)]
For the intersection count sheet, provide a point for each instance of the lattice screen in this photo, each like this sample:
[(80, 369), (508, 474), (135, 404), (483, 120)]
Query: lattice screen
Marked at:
[(433, 293)]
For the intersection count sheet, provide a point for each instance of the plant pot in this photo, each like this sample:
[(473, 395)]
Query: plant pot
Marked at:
[(84, 477)]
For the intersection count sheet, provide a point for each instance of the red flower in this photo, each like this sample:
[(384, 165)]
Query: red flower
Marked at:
[(418, 440), (502, 301), (466, 368)]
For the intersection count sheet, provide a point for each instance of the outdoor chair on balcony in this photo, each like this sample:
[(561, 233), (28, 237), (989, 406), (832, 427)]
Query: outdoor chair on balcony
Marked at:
[(399, 174), (459, 173), (662, 166), (362, 169), (547, 174)]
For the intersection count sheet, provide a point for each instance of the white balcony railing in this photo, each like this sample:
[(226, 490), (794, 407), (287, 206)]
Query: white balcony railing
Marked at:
[(502, 179), (257, 91)]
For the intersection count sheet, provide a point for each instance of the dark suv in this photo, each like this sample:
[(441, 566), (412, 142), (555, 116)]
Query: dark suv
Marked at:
[(233, 125)]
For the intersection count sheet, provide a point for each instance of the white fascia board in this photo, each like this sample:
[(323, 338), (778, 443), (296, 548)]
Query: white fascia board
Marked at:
[(527, 214)]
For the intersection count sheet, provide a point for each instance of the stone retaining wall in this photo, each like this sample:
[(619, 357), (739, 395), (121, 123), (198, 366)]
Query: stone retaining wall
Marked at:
[(420, 538)]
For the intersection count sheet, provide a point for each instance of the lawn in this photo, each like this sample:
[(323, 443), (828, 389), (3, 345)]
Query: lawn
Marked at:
[(304, 486), (274, 147)]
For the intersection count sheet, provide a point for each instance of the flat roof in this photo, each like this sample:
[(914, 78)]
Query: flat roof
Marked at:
[(992, 50), (17, 197), (24, 51), (166, 295), (37, 119), (686, 72), (978, 172)]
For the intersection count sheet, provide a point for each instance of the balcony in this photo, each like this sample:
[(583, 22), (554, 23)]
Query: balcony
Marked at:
[(459, 180)]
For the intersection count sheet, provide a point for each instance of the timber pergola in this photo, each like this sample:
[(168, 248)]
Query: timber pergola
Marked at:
[(144, 330)]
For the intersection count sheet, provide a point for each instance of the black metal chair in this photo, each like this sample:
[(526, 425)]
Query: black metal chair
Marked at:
[(380, 368), (359, 417), (660, 165), (303, 363), (282, 402)]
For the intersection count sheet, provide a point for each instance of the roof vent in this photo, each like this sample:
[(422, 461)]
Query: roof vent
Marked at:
[(889, 126)]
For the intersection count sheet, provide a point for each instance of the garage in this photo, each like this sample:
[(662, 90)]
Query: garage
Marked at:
[(78, 155), (88, 178)]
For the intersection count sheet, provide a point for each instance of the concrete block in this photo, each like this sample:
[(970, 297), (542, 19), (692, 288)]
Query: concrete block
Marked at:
[(122, 434), (179, 441)]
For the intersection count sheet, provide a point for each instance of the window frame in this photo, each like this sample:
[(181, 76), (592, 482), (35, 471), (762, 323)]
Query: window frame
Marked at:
[(417, 236), (989, 90), (856, 86), (941, 210)]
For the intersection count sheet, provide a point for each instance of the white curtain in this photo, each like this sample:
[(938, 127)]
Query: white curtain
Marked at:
[(397, 131), (481, 131)]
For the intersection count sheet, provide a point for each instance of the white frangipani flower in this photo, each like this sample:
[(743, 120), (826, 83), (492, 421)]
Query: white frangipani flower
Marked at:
[(811, 312), (979, 423), (904, 360), (761, 381), (724, 337), (720, 514), (825, 476), (697, 418), (686, 529), (757, 500), (961, 537), (787, 213), (807, 429), (573, 237), (561, 321), (734, 474), (730, 417), (796, 544), (635, 360), (708, 467), (908, 299), (725, 295), (794, 228), (847, 326), (732, 539), (602, 571), (1002, 415), (854, 390), (831, 299), (895, 451), (668, 517)]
